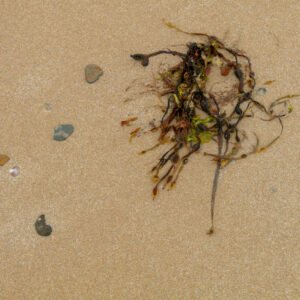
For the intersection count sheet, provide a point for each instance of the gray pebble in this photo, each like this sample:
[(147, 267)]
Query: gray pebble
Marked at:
[(62, 132), (47, 106), (41, 227), (261, 91), (273, 189), (92, 73)]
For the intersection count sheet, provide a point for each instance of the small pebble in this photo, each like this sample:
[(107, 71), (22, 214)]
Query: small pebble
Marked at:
[(41, 227), (48, 106), (92, 73), (62, 132), (3, 159), (273, 189), (261, 91), (15, 171)]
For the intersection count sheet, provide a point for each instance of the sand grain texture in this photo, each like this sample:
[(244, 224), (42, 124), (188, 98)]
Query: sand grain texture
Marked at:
[(110, 240)]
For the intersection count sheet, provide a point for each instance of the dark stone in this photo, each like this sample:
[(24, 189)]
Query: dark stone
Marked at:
[(41, 227), (62, 132)]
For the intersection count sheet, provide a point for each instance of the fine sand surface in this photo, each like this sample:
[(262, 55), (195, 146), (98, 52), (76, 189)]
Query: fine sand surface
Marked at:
[(110, 240)]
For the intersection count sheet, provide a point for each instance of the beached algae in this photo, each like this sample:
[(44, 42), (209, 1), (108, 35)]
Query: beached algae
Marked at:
[(208, 94)]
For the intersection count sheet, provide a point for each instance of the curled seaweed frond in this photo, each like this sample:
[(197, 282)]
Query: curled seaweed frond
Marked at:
[(196, 114)]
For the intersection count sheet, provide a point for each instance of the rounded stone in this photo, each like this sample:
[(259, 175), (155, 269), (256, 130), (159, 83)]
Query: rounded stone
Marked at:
[(92, 73), (15, 171)]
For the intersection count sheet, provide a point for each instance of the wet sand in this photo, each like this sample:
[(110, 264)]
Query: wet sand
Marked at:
[(109, 239)]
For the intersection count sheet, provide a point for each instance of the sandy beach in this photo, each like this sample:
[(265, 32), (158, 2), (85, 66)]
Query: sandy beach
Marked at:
[(110, 240)]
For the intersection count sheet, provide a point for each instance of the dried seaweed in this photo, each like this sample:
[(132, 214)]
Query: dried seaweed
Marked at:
[(196, 114)]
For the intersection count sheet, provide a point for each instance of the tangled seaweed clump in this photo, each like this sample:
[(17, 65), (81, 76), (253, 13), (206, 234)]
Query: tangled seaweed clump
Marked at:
[(197, 113)]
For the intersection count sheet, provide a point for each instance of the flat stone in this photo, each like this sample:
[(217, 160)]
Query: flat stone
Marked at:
[(92, 73), (3, 159), (62, 132)]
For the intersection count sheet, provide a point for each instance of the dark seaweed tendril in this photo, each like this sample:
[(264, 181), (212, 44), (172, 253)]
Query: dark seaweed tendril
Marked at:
[(193, 115)]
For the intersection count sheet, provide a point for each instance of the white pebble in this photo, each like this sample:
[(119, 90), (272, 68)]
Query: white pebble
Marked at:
[(15, 171)]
